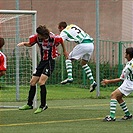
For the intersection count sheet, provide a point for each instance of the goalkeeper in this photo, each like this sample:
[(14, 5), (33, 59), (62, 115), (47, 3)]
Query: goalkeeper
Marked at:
[(47, 43), (125, 89)]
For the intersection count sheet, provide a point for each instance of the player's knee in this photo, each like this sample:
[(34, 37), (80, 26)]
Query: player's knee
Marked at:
[(113, 95), (41, 82), (32, 83), (83, 62)]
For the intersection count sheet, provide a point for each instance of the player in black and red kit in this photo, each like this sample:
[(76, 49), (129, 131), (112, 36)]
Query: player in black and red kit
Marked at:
[(47, 43)]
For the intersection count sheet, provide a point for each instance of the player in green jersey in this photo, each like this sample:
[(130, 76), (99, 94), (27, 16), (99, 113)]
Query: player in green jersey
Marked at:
[(125, 89), (83, 50)]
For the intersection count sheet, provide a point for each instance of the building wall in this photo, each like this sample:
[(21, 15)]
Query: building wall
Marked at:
[(127, 20), (115, 15)]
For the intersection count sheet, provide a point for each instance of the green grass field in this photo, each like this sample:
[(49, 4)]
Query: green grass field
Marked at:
[(71, 110)]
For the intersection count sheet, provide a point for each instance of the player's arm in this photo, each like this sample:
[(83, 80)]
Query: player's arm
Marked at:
[(60, 40), (24, 44), (30, 43), (64, 50), (106, 81)]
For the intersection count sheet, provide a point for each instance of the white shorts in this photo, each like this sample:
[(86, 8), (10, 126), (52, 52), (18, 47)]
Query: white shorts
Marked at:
[(82, 51), (127, 87)]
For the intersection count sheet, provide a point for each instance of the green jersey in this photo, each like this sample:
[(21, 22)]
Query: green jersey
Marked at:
[(74, 33), (127, 72)]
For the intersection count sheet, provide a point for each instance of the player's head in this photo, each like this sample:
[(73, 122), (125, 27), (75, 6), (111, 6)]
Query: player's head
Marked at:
[(129, 52), (2, 42), (62, 25), (43, 32)]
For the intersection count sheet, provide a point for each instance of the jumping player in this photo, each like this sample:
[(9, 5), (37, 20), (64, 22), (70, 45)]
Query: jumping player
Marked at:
[(125, 89), (47, 43), (83, 50), (2, 58)]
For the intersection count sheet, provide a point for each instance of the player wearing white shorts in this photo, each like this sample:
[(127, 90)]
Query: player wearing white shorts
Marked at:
[(125, 89), (83, 50)]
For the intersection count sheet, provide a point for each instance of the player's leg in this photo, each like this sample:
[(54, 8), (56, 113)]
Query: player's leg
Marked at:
[(47, 71), (43, 93), (31, 94), (35, 78), (69, 79), (128, 115), (89, 74), (117, 96), (75, 54), (85, 59), (113, 103), (125, 90)]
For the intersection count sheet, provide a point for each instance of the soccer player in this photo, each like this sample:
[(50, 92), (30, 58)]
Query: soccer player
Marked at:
[(2, 58), (125, 89), (83, 50), (47, 43)]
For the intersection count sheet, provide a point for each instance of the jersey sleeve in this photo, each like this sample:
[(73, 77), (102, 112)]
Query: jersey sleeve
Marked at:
[(64, 35), (33, 39), (58, 40)]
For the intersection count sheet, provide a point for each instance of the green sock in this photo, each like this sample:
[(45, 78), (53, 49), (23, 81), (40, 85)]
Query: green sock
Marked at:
[(89, 73), (124, 108), (113, 103), (69, 68)]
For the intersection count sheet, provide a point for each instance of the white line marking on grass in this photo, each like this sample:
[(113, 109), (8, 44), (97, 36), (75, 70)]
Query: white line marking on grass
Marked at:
[(63, 107), (1, 109)]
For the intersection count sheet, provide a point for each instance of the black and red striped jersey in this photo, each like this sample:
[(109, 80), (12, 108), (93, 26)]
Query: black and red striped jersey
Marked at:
[(48, 48)]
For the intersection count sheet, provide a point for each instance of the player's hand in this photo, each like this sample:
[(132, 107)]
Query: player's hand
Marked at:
[(104, 82), (66, 55), (20, 44)]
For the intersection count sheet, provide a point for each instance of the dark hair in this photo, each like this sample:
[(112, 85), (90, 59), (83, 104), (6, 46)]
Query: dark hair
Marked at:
[(2, 42), (62, 24), (42, 30), (130, 51)]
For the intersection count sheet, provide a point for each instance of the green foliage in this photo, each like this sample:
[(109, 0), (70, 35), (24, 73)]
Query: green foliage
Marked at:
[(106, 72), (25, 71)]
